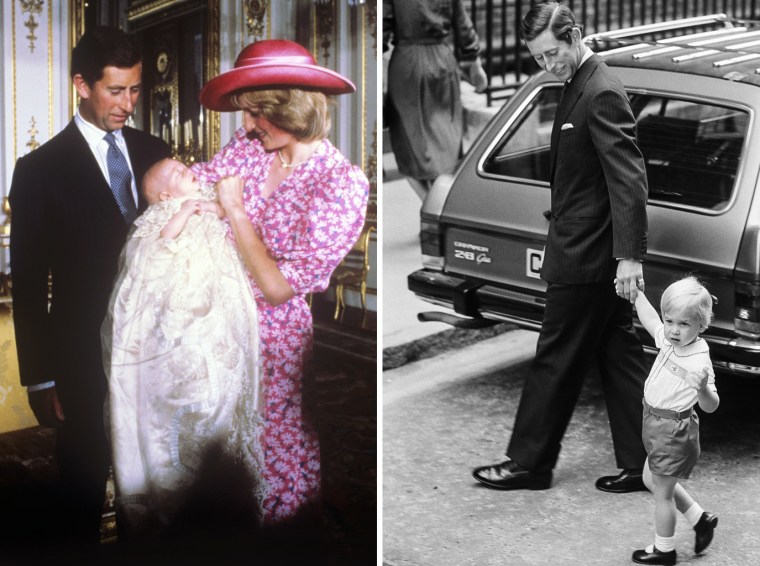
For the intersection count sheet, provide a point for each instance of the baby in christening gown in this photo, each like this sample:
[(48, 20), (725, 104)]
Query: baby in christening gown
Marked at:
[(181, 354)]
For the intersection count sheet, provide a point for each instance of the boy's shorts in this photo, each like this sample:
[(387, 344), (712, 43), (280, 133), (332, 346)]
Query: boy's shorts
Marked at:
[(671, 444)]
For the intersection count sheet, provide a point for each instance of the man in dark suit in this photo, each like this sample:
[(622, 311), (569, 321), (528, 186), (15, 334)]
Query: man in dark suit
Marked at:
[(73, 200), (597, 235)]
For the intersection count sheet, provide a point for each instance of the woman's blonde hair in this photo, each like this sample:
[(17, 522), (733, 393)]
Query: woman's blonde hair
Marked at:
[(302, 113), (689, 297)]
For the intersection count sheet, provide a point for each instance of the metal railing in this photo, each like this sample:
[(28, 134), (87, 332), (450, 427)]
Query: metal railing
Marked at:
[(508, 63)]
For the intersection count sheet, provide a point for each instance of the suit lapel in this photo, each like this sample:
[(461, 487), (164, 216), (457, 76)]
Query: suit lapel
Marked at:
[(91, 181), (85, 161), (138, 162), (570, 97)]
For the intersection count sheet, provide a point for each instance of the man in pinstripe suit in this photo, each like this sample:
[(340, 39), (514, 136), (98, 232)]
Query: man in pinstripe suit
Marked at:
[(597, 235)]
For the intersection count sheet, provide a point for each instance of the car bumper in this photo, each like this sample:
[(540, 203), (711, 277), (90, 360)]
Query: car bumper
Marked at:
[(480, 300)]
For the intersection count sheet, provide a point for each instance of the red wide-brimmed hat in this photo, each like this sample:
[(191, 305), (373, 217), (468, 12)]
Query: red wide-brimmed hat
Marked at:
[(271, 64)]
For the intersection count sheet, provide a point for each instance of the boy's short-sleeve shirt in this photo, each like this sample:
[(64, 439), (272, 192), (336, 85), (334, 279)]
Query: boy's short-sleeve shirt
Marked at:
[(666, 386)]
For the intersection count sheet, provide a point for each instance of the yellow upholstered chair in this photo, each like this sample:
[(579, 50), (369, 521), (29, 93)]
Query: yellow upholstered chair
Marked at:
[(352, 273)]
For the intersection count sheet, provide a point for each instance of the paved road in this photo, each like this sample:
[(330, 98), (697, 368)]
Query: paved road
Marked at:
[(445, 415), (440, 420)]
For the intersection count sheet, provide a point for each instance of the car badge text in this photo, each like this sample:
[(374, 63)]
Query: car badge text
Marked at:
[(472, 252)]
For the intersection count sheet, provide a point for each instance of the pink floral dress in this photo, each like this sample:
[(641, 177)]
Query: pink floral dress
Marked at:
[(308, 224)]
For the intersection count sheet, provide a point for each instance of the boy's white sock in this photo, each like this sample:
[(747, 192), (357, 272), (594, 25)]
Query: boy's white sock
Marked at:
[(693, 514), (664, 544)]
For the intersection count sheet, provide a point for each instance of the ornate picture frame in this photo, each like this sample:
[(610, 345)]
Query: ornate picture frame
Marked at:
[(180, 43)]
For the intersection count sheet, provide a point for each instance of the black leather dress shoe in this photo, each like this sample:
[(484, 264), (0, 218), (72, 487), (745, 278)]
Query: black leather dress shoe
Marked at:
[(654, 557), (704, 529), (625, 482), (509, 475)]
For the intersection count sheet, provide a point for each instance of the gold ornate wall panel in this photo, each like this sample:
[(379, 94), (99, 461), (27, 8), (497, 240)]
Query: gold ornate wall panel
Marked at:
[(29, 34), (258, 21), (342, 35), (76, 30), (180, 41), (31, 68)]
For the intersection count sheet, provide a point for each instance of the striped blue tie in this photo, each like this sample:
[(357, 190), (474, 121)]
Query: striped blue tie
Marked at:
[(121, 179)]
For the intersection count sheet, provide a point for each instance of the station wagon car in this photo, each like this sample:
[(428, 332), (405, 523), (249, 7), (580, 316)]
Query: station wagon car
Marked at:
[(694, 87)]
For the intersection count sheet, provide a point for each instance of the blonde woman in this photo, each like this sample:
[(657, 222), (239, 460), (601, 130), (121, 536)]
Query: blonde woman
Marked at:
[(295, 207)]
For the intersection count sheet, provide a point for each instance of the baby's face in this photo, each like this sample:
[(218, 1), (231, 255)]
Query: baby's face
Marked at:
[(180, 181)]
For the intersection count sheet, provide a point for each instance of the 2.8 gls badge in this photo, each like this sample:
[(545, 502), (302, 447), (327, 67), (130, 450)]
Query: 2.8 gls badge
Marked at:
[(472, 252)]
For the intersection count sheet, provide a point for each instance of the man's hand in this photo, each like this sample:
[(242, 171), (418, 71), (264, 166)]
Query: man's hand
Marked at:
[(629, 279), (46, 407)]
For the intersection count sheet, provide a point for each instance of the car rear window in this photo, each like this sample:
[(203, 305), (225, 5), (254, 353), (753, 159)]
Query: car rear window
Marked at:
[(692, 149), (523, 150)]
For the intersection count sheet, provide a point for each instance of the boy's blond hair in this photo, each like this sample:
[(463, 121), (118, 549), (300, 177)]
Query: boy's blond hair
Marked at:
[(688, 296)]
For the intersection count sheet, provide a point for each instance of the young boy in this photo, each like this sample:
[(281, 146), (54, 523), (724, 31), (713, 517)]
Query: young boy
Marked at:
[(682, 376), (180, 350)]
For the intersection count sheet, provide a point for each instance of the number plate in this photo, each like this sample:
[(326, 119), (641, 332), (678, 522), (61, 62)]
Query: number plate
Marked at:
[(533, 261)]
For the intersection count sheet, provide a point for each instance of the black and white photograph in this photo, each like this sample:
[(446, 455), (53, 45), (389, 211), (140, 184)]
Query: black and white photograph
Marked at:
[(570, 330)]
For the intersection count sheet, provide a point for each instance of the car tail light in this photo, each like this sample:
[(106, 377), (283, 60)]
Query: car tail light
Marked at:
[(431, 241), (747, 309)]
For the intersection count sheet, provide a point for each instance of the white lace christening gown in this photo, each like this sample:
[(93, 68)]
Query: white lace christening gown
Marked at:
[(181, 352)]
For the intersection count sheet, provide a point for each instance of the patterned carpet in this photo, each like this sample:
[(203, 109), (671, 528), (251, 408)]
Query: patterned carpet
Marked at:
[(343, 396)]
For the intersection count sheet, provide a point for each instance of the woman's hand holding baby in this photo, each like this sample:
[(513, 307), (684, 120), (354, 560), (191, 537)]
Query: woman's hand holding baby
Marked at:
[(230, 192)]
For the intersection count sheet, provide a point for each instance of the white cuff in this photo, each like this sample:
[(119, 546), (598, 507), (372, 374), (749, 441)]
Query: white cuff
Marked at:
[(40, 386)]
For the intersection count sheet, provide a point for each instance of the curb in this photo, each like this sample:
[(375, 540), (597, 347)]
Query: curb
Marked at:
[(486, 356)]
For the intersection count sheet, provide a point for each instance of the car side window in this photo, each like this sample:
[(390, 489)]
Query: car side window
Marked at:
[(523, 151), (692, 150)]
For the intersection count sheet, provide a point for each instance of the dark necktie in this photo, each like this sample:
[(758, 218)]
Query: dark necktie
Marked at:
[(562, 92), (121, 179)]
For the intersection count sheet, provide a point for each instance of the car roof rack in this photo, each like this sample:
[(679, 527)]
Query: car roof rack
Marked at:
[(711, 45), (657, 27)]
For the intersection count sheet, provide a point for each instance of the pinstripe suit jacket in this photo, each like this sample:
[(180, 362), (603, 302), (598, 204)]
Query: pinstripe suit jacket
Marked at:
[(65, 221), (598, 181)]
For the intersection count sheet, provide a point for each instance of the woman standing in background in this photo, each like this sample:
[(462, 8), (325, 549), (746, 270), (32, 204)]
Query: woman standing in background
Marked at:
[(424, 107)]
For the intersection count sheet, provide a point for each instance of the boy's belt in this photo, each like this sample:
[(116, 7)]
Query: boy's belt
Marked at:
[(667, 413)]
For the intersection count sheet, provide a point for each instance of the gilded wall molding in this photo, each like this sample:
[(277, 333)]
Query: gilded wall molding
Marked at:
[(213, 122), (324, 20), (76, 31), (363, 37), (14, 109), (149, 8), (257, 18), (33, 143), (50, 70), (371, 173), (370, 12), (30, 14), (32, 8)]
